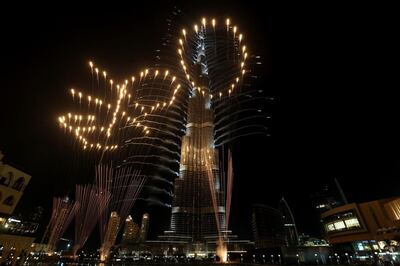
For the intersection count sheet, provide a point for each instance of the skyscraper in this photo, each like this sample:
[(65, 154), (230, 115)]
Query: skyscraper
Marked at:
[(131, 231), (110, 236), (192, 212), (144, 228), (292, 237)]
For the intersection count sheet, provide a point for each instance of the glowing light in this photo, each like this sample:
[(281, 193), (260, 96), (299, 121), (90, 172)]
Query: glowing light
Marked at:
[(105, 74), (227, 23), (234, 29), (203, 21), (243, 48), (196, 28), (240, 37), (91, 64), (213, 22), (180, 42), (133, 79)]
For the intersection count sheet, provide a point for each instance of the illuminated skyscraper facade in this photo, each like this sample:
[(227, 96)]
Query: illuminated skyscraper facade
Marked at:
[(193, 212)]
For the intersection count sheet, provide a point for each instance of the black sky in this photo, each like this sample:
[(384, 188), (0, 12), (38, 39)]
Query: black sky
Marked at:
[(331, 70)]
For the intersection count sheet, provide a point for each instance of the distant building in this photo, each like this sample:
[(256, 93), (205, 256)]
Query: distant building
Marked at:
[(291, 235), (12, 185), (329, 197), (365, 229), (268, 227), (144, 228), (309, 241), (110, 236), (37, 214), (131, 231)]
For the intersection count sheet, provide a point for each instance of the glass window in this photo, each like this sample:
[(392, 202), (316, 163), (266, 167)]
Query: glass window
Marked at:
[(330, 227), (352, 222), (339, 225)]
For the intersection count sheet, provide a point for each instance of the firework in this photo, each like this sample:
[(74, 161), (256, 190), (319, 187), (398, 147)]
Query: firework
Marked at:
[(62, 215), (124, 185), (92, 203)]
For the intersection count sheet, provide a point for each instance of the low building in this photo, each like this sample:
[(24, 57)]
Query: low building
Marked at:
[(15, 234), (12, 185), (365, 231)]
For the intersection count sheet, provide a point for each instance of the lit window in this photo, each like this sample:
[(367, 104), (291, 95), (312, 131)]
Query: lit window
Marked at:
[(352, 222), (330, 227), (339, 225)]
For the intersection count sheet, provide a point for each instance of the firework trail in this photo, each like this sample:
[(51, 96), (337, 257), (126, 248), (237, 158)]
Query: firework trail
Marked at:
[(139, 122), (62, 215), (124, 185), (92, 203)]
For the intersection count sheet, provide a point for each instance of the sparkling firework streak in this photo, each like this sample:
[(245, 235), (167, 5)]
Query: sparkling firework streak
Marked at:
[(237, 106), (62, 215), (92, 203), (140, 121), (123, 106), (124, 185)]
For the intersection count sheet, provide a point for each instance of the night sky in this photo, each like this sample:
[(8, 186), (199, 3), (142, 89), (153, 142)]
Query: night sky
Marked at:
[(335, 112)]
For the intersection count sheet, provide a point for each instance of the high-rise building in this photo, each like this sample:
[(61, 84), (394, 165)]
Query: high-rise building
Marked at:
[(268, 227), (131, 231), (110, 236), (292, 237), (193, 214), (144, 228), (330, 196)]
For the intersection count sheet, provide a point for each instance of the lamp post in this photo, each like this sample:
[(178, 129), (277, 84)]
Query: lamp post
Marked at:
[(298, 260), (347, 256), (279, 258)]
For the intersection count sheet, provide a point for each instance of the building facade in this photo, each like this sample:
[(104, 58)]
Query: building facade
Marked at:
[(366, 229), (12, 185), (194, 216), (15, 234), (131, 231), (268, 227)]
